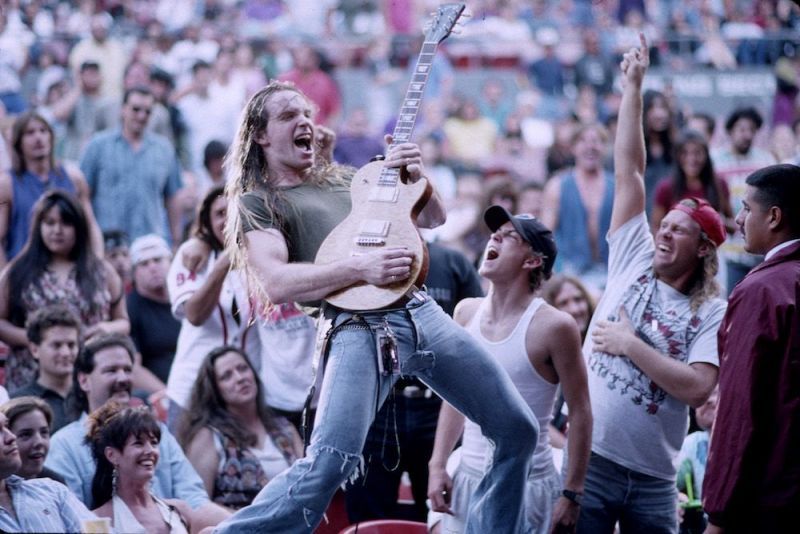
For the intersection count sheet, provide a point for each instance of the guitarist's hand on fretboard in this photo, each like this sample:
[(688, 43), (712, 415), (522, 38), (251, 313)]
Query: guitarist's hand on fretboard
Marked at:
[(390, 202), (407, 157)]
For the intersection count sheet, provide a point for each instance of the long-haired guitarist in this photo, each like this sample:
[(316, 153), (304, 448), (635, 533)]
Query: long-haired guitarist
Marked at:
[(284, 199)]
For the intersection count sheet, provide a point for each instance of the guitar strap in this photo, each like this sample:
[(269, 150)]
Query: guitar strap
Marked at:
[(325, 331)]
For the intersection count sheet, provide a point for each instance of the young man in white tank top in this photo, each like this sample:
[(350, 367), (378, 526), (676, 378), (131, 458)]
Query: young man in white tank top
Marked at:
[(538, 355)]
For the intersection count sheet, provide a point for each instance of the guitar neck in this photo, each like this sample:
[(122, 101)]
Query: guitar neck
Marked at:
[(416, 87)]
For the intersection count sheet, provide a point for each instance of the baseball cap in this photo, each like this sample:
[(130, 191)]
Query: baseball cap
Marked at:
[(531, 229), (148, 247), (706, 216)]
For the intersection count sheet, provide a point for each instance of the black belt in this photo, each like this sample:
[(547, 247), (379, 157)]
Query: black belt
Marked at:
[(330, 311)]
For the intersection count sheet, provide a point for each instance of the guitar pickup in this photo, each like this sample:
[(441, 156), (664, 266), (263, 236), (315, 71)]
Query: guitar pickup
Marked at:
[(384, 193), (372, 233)]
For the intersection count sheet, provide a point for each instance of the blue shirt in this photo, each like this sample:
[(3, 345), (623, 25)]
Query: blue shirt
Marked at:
[(42, 505), (175, 477), (27, 188), (129, 188)]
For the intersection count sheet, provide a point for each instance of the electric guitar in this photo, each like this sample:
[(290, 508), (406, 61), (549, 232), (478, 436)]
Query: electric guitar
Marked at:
[(384, 205)]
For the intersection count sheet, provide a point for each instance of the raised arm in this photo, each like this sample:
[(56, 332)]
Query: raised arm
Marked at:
[(629, 151), (205, 299)]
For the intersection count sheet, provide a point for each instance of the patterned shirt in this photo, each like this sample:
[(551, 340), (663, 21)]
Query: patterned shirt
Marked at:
[(637, 424), (42, 505)]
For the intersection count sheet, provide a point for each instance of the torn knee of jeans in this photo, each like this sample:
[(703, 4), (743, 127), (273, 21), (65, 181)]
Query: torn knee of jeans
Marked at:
[(419, 363), (349, 466)]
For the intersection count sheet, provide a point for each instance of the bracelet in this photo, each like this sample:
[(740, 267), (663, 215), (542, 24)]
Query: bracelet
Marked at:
[(573, 496)]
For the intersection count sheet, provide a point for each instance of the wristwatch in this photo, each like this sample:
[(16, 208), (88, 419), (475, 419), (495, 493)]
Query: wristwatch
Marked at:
[(574, 496)]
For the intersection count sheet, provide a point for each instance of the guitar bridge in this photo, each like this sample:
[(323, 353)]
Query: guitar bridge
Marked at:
[(373, 233)]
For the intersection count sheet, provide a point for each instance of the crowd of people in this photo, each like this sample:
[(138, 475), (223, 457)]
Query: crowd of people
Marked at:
[(607, 335)]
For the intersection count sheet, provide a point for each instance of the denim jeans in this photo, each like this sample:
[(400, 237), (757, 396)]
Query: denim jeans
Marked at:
[(641, 503), (400, 440), (441, 354)]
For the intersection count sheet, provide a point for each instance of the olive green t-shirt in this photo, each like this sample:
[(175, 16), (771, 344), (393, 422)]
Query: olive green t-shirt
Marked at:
[(305, 214)]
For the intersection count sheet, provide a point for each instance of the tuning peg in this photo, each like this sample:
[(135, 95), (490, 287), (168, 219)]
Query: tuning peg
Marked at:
[(466, 15), (456, 31)]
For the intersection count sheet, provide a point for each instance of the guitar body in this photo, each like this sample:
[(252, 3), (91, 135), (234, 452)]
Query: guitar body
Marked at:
[(385, 208), (382, 216)]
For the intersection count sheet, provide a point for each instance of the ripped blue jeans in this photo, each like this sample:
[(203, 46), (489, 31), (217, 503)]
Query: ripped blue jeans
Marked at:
[(443, 355)]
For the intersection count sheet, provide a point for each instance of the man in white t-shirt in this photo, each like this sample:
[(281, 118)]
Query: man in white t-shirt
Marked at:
[(651, 350)]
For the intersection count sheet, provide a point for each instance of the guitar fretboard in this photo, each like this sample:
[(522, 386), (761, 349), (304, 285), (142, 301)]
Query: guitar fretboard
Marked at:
[(410, 108)]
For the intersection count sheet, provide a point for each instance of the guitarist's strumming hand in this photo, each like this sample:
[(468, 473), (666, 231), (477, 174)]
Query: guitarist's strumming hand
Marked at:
[(405, 155), (385, 266)]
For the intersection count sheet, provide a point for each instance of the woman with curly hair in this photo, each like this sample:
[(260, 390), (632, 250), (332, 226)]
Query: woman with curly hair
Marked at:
[(57, 266), (230, 436), (124, 443)]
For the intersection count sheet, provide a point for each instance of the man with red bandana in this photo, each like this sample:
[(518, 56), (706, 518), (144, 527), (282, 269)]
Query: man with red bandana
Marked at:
[(651, 350)]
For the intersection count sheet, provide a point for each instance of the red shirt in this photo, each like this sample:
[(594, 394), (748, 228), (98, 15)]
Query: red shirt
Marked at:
[(665, 196), (753, 466)]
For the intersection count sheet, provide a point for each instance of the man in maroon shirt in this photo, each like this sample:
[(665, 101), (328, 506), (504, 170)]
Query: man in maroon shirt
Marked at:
[(752, 482)]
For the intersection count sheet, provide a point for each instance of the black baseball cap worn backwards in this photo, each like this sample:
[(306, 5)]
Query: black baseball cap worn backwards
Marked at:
[(531, 229)]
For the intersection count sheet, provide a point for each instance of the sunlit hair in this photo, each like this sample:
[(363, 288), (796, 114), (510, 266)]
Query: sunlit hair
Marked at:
[(704, 282), (248, 170), (207, 408), (553, 287), (18, 131), (110, 426)]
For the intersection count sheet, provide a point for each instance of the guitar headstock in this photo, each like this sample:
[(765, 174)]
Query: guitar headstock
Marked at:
[(443, 22)]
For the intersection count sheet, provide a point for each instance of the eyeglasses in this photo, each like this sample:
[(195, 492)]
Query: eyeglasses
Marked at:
[(138, 109)]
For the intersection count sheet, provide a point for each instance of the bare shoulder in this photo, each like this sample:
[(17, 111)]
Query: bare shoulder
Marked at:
[(553, 185), (466, 309), (203, 441), (552, 324)]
